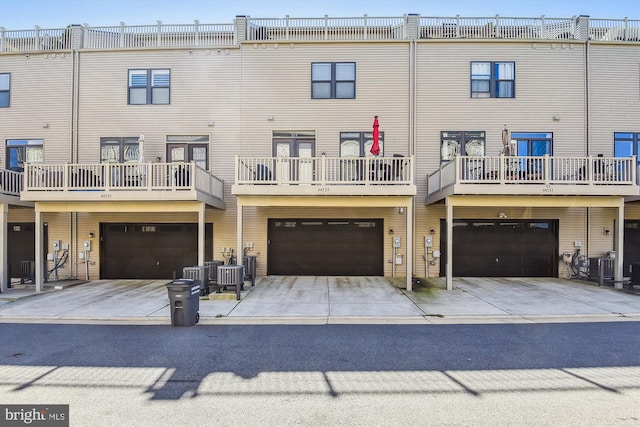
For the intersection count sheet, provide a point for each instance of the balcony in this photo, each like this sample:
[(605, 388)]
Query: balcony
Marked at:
[(534, 175), (107, 182), (11, 184), (324, 176)]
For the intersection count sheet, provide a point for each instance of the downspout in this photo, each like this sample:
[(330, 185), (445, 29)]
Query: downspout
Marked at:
[(584, 23), (414, 21), (73, 145)]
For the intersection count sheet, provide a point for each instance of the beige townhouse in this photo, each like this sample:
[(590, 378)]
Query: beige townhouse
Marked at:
[(507, 147)]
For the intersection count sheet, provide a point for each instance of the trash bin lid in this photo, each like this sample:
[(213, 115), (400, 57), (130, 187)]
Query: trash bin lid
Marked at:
[(183, 283)]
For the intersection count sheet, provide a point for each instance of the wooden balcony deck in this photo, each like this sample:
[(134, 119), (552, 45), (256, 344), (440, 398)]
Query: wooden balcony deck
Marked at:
[(325, 176), (534, 175), (122, 182)]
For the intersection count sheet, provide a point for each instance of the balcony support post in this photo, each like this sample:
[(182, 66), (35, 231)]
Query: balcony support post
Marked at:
[(449, 266), (39, 258), (619, 239), (239, 230), (409, 227), (201, 233)]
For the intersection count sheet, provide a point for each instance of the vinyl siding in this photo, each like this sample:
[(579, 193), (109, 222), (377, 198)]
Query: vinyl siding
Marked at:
[(20, 215), (614, 73), (277, 82), (40, 93), (549, 82), (59, 229), (204, 87)]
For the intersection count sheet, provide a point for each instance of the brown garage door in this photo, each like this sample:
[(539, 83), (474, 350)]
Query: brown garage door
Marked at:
[(150, 251), (503, 248), (326, 247)]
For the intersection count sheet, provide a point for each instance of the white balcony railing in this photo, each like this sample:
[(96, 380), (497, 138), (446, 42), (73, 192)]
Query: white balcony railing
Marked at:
[(122, 176), (159, 35), (327, 28), (324, 170), (10, 182), (289, 29), (547, 170)]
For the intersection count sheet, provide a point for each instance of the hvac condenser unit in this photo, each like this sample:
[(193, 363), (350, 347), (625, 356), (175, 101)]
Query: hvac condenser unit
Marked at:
[(601, 267)]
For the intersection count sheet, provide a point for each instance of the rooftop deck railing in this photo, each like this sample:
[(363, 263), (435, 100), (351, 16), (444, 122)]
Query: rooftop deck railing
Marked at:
[(122, 176), (290, 29), (547, 170), (10, 182), (326, 28), (159, 35), (324, 170), (499, 27)]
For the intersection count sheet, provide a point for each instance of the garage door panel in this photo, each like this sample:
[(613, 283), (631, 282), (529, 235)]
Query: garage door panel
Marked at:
[(503, 248), (322, 247), (150, 251)]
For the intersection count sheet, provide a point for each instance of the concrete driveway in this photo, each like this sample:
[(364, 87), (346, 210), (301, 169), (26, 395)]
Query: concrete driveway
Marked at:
[(295, 299)]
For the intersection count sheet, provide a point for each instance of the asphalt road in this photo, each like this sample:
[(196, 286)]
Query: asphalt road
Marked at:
[(504, 374)]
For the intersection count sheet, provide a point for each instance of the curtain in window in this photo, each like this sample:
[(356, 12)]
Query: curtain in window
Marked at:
[(110, 153), (505, 71), (131, 153), (505, 76), (480, 79)]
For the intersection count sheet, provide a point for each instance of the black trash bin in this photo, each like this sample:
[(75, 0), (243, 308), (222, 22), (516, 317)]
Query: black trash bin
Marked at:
[(184, 296)]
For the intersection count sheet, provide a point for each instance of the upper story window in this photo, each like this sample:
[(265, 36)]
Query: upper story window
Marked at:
[(21, 151), (467, 143), (5, 84), (532, 143), (493, 80), (626, 144), (119, 149), (149, 86), (333, 80)]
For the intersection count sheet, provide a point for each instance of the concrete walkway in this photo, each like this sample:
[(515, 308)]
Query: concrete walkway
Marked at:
[(319, 300)]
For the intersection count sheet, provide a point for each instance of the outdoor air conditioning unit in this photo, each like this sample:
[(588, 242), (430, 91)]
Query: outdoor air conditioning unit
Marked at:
[(601, 267)]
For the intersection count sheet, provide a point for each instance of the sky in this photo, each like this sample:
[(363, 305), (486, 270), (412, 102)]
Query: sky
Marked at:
[(26, 14)]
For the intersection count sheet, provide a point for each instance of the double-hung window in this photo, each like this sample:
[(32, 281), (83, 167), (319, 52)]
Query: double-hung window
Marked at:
[(333, 80), (626, 144), (149, 86), (493, 80), (5, 86)]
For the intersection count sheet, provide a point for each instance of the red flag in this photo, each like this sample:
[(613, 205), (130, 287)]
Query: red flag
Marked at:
[(375, 148)]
